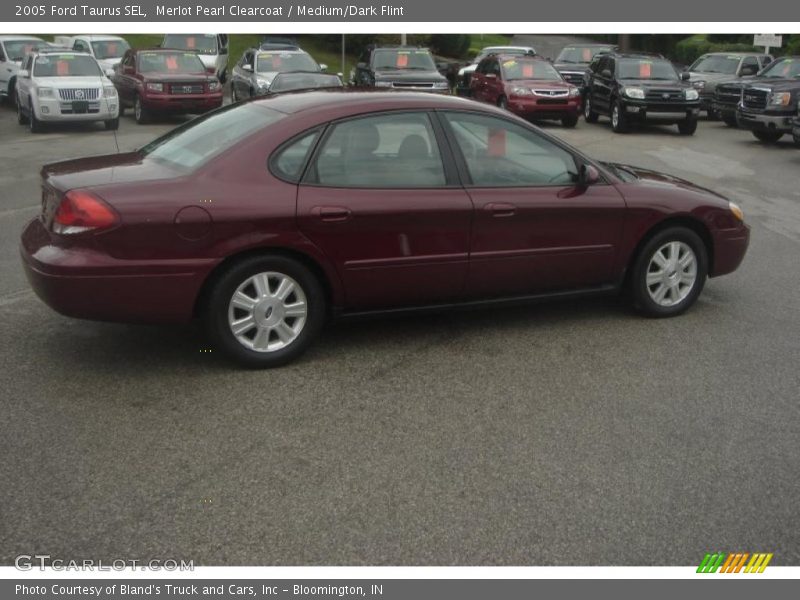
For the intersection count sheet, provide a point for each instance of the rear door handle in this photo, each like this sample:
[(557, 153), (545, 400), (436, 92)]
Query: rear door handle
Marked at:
[(331, 213), (500, 209)]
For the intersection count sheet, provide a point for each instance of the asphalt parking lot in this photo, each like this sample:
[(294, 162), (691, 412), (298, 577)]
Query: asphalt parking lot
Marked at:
[(571, 433)]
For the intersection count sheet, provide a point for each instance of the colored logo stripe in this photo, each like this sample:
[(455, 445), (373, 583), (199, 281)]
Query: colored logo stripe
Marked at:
[(734, 562)]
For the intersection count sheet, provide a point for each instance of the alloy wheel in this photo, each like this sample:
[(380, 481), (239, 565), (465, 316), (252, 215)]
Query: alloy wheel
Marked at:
[(671, 273), (267, 311)]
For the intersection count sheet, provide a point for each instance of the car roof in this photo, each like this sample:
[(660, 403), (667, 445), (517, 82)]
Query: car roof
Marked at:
[(490, 48), (636, 55), (734, 54), (97, 37), (281, 49), (19, 38), (369, 101), (591, 45), (59, 50)]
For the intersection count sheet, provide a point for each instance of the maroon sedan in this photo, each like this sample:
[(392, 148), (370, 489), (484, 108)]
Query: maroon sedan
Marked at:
[(165, 81), (527, 86), (265, 217)]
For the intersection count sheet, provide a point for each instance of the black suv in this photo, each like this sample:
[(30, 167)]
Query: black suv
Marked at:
[(573, 61), (728, 94), (400, 68), (768, 107), (638, 88)]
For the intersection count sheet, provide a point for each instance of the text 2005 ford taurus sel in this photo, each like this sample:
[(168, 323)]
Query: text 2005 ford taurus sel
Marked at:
[(266, 217)]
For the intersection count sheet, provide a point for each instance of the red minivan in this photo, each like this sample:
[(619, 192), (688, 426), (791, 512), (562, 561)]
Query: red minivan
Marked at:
[(268, 216), (162, 81), (527, 86)]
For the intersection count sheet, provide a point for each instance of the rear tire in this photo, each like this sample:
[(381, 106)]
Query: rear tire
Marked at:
[(618, 122), (267, 335), (669, 273), (767, 137), (570, 121), (687, 127), (502, 102), (588, 112)]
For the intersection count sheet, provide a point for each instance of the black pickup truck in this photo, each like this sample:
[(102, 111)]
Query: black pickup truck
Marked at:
[(796, 131), (768, 108), (728, 94)]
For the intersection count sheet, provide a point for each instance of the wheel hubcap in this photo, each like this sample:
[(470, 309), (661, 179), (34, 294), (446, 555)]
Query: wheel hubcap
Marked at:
[(671, 273), (267, 312), (587, 109), (615, 116), (138, 109)]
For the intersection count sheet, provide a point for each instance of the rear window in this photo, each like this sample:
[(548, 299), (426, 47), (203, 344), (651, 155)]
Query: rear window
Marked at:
[(110, 49), (205, 43), (201, 139)]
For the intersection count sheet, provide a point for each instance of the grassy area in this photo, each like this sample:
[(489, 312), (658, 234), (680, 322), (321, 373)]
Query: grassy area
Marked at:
[(481, 40)]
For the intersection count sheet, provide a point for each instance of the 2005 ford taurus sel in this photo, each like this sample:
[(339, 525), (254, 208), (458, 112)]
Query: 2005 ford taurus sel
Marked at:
[(266, 217)]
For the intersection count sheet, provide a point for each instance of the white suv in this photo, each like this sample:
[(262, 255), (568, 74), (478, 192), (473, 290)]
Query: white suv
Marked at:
[(107, 49), (13, 49), (64, 85)]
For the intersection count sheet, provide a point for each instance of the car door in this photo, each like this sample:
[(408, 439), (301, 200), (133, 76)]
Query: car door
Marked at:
[(494, 82), (240, 78), (6, 68), (382, 200), (535, 228), (603, 85), (478, 81), (124, 79), (23, 90)]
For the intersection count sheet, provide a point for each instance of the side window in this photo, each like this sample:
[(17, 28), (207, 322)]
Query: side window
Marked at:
[(750, 63), (499, 153), (384, 151), (288, 162), (2, 54)]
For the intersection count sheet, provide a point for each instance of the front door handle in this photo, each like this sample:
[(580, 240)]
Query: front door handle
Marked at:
[(331, 213), (500, 209)]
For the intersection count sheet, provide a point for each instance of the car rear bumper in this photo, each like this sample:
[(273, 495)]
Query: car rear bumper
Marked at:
[(760, 121), (730, 246), (88, 284), (182, 102)]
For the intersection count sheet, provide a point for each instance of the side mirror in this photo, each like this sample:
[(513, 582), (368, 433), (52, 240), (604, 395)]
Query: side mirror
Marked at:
[(23, 73), (223, 50), (605, 73), (110, 72), (128, 70), (323, 67), (588, 175), (247, 67), (685, 76)]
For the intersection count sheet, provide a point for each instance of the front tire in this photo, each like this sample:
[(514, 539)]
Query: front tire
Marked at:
[(34, 124), (502, 102), (140, 113), (111, 124), (767, 137), (588, 111), (618, 122), (21, 118), (669, 272), (687, 127), (729, 120), (265, 311)]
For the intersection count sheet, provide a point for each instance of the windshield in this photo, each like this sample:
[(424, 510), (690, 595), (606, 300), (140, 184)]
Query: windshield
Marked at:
[(170, 62), (413, 60), (205, 43), (647, 68), (203, 138), (285, 61), (580, 54), (110, 49), (17, 49), (785, 69), (529, 69), (66, 65), (716, 64)]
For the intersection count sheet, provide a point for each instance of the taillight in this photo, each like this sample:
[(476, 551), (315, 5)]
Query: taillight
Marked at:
[(80, 211)]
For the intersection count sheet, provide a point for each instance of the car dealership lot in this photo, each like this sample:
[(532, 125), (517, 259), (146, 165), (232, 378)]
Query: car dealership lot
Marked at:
[(573, 433)]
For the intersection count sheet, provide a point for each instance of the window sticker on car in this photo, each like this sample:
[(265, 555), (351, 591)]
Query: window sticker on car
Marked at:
[(62, 68), (527, 71), (497, 142), (402, 60), (172, 63), (112, 48), (190, 42), (645, 69), (587, 54)]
